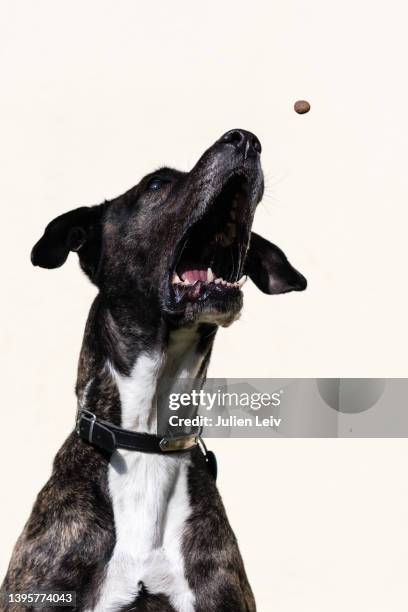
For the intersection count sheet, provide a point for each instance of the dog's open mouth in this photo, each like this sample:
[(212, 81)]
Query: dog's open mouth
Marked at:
[(210, 258)]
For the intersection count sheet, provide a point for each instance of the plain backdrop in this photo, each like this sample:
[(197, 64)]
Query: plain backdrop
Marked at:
[(96, 93)]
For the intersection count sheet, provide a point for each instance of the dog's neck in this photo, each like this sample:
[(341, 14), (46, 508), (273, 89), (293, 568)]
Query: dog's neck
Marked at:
[(127, 355)]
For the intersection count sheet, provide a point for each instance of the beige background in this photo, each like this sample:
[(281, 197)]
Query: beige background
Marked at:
[(96, 93)]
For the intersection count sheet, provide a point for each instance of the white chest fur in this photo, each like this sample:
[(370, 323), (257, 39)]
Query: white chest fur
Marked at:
[(149, 492), (150, 503)]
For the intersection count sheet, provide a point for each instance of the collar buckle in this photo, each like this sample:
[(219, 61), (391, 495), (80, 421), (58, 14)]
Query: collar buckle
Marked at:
[(87, 415), (178, 443)]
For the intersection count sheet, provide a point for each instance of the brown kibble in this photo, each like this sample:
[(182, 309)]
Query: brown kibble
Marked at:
[(302, 107)]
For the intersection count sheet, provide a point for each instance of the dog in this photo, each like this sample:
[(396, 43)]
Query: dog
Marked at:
[(130, 520)]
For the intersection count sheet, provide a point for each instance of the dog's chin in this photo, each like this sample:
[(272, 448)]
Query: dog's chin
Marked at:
[(218, 306), (220, 310)]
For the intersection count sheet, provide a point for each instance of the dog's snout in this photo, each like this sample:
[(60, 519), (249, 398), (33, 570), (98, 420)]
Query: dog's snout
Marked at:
[(242, 141)]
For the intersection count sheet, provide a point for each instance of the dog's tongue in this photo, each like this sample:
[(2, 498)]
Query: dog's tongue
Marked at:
[(191, 276)]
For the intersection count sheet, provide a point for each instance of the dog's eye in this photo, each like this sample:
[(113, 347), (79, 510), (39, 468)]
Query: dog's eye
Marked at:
[(154, 184)]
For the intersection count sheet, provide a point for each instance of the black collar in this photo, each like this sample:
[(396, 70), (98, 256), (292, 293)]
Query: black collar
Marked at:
[(110, 437)]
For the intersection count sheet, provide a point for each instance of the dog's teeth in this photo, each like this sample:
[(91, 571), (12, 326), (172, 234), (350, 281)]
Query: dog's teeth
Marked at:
[(242, 280), (176, 278), (217, 281), (210, 275)]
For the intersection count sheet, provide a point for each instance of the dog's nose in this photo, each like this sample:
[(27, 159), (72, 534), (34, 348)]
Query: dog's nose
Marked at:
[(242, 140)]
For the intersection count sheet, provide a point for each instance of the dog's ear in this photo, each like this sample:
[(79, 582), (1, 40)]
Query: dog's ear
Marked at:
[(78, 230), (270, 269)]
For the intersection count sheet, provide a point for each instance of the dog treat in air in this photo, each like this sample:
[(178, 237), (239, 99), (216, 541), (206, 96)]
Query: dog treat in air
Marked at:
[(302, 107)]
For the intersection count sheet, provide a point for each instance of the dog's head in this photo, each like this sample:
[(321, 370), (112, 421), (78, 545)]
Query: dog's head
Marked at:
[(179, 243)]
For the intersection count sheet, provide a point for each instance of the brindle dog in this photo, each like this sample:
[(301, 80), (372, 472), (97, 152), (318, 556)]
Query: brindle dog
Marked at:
[(137, 531)]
